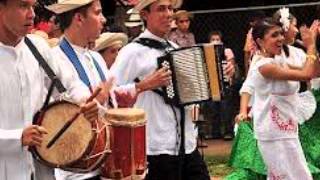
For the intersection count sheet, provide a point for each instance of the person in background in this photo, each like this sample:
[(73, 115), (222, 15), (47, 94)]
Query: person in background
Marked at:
[(221, 114), (133, 24), (182, 36), (109, 44)]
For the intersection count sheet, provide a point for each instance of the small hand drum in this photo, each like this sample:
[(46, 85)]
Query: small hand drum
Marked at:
[(83, 147)]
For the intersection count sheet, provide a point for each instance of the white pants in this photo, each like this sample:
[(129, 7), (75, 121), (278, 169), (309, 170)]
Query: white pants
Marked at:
[(284, 159)]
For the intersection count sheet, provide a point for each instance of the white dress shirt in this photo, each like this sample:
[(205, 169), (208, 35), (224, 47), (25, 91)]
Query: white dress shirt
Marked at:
[(22, 93), (136, 61), (85, 57)]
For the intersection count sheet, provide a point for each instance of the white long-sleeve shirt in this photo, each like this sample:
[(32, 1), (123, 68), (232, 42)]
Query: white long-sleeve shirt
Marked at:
[(22, 92), (137, 61), (86, 59)]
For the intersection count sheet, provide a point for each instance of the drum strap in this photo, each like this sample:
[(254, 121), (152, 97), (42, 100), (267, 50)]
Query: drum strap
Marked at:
[(72, 56), (43, 63)]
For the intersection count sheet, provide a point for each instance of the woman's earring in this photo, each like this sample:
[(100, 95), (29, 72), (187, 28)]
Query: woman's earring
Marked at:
[(264, 50)]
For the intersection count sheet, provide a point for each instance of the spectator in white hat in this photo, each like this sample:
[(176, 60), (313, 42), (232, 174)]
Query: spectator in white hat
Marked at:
[(170, 155), (134, 24), (109, 44), (181, 35)]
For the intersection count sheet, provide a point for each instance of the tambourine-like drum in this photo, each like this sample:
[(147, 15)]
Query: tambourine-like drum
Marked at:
[(128, 144), (83, 147)]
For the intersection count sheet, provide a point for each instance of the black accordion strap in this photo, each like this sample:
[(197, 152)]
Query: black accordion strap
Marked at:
[(152, 43), (45, 65)]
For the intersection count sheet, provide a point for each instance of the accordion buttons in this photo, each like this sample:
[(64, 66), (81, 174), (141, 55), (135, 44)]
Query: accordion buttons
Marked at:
[(170, 91), (165, 64)]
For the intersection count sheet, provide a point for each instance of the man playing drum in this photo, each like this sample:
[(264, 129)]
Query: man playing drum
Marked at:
[(82, 22), (23, 90)]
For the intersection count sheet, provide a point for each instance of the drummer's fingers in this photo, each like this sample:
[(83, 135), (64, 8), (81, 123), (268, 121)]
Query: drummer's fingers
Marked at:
[(88, 106), (91, 109), (42, 130), (33, 131), (91, 117), (37, 140)]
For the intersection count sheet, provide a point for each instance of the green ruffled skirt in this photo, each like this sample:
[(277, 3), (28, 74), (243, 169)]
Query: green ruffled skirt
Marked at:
[(247, 160)]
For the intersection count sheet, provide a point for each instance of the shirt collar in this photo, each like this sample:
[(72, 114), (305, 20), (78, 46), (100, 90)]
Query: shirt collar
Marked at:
[(148, 34), (77, 48), (182, 33)]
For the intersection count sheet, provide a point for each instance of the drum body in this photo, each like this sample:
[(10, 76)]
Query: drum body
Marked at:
[(83, 147), (128, 145)]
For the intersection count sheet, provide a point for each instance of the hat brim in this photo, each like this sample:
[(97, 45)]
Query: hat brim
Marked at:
[(185, 13), (105, 42), (133, 24), (144, 3), (63, 7)]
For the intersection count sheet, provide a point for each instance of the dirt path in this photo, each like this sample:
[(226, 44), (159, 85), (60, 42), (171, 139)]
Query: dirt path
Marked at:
[(218, 148)]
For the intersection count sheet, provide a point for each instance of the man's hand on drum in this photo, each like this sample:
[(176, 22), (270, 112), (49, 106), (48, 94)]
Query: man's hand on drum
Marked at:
[(159, 78), (125, 98), (90, 110), (33, 135)]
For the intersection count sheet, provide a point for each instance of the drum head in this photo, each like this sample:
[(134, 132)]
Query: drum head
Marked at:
[(126, 114), (73, 143)]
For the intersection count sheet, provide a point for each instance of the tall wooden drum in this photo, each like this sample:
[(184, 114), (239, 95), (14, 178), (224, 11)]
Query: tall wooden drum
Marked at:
[(128, 144)]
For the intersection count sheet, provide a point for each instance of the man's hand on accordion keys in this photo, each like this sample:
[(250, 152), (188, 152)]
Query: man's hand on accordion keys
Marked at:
[(159, 78)]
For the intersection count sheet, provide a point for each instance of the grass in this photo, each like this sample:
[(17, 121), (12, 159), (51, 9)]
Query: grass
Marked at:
[(218, 165)]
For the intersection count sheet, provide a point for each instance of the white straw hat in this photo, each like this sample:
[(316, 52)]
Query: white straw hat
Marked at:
[(109, 39), (144, 3), (63, 6), (133, 20)]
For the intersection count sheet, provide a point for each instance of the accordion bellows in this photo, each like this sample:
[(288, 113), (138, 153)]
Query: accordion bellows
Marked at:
[(197, 74)]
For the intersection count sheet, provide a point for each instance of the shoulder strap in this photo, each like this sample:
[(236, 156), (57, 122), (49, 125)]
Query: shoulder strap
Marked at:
[(96, 64), (45, 65), (73, 58)]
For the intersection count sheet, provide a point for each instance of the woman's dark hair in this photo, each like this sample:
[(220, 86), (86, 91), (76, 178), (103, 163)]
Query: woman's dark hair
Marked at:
[(65, 19), (148, 9), (261, 28)]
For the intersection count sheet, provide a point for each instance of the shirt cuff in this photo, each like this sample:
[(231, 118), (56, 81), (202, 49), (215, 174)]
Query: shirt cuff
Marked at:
[(11, 134)]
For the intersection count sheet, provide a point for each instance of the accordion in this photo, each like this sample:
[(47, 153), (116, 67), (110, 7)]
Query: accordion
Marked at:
[(197, 74)]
